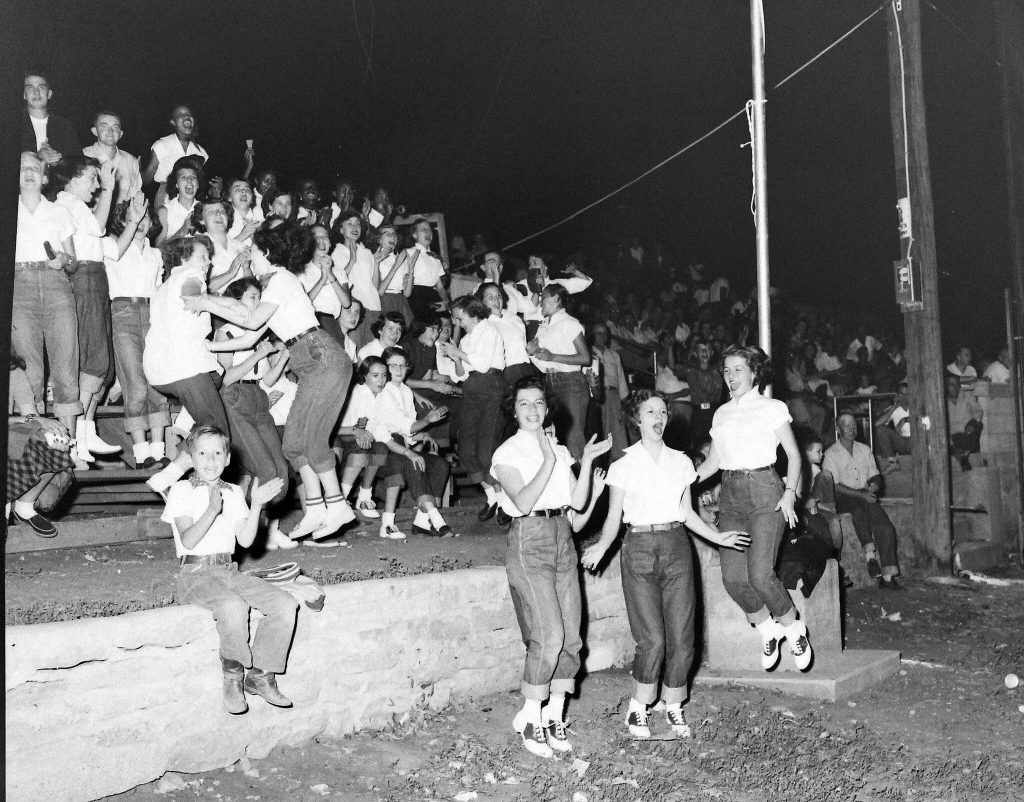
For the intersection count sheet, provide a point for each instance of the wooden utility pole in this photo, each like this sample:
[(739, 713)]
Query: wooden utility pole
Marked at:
[(929, 435)]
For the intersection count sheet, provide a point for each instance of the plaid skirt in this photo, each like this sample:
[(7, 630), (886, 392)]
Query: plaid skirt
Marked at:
[(24, 472)]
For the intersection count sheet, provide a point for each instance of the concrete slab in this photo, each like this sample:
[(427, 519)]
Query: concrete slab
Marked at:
[(832, 676)]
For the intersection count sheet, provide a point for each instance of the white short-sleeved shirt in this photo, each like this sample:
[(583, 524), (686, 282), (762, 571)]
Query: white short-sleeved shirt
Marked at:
[(397, 285), (967, 373), (88, 236), (238, 357), (360, 275), (177, 214), (238, 223), (654, 487), (136, 274), (295, 313), (997, 373), (483, 347), (524, 304), (168, 150), (326, 301), (221, 258), (126, 168), (744, 431), (428, 269), (901, 421), (853, 470), (372, 348), (558, 334), (522, 451), (190, 499), (397, 409), (48, 223), (176, 343), (362, 403), (513, 336)]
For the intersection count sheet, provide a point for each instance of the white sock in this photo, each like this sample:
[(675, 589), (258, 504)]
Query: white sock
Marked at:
[(636, 705), (677, 706), (157, 450), (24, 509), (141, 452), (870, 551), (556, 707), (387, 519), (767, 627), (421, 520), (346, 490), (434, 514), (365, 494), (532, 709), (491, 493)]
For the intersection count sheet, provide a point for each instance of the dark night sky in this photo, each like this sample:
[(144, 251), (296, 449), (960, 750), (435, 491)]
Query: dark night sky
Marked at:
[(590, 95)]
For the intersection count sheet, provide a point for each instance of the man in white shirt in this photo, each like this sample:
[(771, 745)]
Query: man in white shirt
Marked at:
[(107, 130), (167, 150), (526, 300), (961, 366), (862, 340), (855, 474), (999, 371), (892, 429)]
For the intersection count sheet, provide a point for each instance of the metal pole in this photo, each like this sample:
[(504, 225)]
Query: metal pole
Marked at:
[(764, 311)]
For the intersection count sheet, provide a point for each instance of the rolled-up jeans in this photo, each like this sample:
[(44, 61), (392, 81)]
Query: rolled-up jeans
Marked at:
[(199, 395), (543, 576), (324, 372), (747, 503), (144, 407), (572, 392), (44, 321), (254, 436), (229, 594), (92, 303), (657, 583)]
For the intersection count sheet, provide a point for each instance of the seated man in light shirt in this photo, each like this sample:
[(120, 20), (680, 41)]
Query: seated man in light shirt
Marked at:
[(965, 420), (999, 371), (855, 474), (892, 429)]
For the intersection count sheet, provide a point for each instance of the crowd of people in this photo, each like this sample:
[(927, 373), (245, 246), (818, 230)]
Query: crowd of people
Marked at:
[(298, 339)]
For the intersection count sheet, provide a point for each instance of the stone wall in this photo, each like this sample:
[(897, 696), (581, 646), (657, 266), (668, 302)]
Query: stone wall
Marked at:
[(97, 706)]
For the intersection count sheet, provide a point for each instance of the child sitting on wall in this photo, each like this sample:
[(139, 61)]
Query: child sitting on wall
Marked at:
[(208, 517)]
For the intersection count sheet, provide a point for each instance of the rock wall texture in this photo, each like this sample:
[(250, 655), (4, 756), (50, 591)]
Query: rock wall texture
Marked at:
[(97, 706)]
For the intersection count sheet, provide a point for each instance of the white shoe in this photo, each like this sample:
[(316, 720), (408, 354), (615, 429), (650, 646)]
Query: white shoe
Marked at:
[(276, 539), (556, 730), (391, 532), (771, 633), (311, 522), (337, 515), (677, 721), (799, 645), (534, 737), (367, 508), (81, 448), (637, 720), (95, 443)]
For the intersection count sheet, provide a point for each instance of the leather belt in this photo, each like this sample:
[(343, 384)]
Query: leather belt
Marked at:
[(554, 513), (654, 527), (297, 337), (746, 471), (206, 559), (248, 381), (131, 299)]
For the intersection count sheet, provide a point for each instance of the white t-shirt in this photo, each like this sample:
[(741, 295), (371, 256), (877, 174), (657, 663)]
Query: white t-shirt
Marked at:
[(900, 420), (177, 339), (168, 150), (654, 488), (967, 373), (397, 409), (190, 499), (372, 348), (743, 430), (522, 451), (360, 275), (48, 223), (238, 223), (998, 373), (88, 236), (397, 284), (39, 128), (558, 334), (327, 301), (137, 273), (221, 258), (295, 313)]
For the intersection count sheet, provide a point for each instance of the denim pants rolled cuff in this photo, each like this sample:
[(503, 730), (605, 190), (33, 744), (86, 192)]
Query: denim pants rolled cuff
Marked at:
[(566, 685), (675, 696), (159, 419), (537, 693), (758, 616), (68, 409), (90, 384), (646, 693), (137, 423)]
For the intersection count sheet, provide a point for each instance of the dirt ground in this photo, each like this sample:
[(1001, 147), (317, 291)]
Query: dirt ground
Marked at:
[(946, 727)]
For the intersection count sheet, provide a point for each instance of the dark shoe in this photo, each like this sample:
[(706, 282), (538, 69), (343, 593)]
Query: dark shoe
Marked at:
[(503, 519), (234, 697), (446, 531), (874, 569), (889, 584), (425, 531), (264, 683), (487, 511), (533, 734), (42, 526)]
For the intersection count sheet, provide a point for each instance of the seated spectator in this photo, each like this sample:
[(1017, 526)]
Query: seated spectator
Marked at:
[(862, 340), (857, 485), (965, 421), (999, 371), (892, 429), (805, 407), (961, 366), (361, 436), (387, 331), (820, 517), (891, 368)]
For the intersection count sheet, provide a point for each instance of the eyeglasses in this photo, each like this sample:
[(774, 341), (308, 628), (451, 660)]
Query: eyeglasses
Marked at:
[(398, 365)]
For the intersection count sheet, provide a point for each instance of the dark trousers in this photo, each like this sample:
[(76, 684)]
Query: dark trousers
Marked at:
[(657, 583), (199, 395), (572, 392), (890, 443), (95, 343), (748, 502), (872, 525), (969, 440), (254, 436), (481, 422), (425, 485)]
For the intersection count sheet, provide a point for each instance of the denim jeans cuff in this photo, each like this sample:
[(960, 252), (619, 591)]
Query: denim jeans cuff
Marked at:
[(674, 696), (159, 419), (645, 693), (758, 617), (89, 383), (136, 423), (538, 693), (70, 408), (566, 685)]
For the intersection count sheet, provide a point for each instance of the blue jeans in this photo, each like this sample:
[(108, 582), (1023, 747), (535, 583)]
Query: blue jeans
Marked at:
[(324, 373), (481, 422), (43, 320), (92, 304), (748, 502), (543, 575), (572, 392), (199, 395), (144, 407), (254, 436), (229, 594), (658, 585)]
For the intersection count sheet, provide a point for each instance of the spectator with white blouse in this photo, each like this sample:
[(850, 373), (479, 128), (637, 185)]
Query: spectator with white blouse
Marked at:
[(327, 285), (650, 490), (480, 362), (428, 270), (361, 435), (245, 218), (746, 433), (183, 185), (358, 264), (230, 259), (512, 330), (85, 190), (394, 273), (134, 269), (560, 351), (388, 331), (166, 151)]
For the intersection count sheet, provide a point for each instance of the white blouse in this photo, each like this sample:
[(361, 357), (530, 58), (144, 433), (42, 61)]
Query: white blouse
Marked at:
[(397, 285), (177, 214), (362, 403), (88, 236), (513, 336), (743, 431), (136, 274), (558, 335), (295, 313), (360, 275), (483, 347), (397, 409), (522, 451), (654, 488), (176, 341), (428, 270)]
